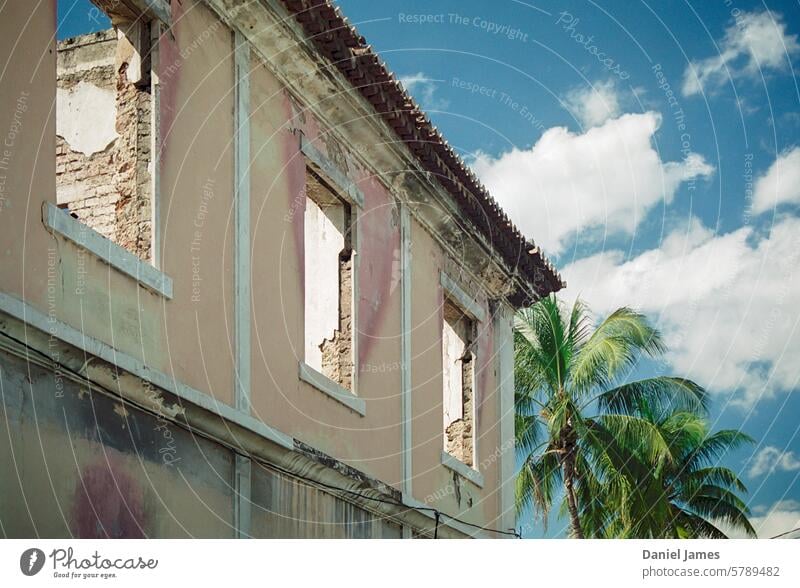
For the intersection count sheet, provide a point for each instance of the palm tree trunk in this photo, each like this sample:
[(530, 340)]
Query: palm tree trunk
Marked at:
[(569, 487)]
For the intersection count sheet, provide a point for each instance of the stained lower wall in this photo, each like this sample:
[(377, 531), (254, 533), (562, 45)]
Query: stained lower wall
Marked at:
[(79, 463), (284, 507)]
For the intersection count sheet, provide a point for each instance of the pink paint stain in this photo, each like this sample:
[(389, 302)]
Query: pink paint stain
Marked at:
[(378, 264), (170, 64), (486, 362), (295, 171), (109, 504)]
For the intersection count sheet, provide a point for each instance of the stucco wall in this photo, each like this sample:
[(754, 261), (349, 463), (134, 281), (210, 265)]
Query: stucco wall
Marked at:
[(190, 336), (77, 463), (435, 484), (196, 165), (99, 468)]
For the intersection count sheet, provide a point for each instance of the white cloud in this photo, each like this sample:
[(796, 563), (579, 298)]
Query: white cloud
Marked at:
[(754, 43), (727, 304), (781, 183), (423, 89), (781, 517), (594, 105), (608, 177), (771, 459)]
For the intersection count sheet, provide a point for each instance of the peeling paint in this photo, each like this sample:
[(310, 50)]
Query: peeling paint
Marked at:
[(86, 117), (121, 410)]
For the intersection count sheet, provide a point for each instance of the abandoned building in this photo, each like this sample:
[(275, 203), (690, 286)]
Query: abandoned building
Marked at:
[(247, 289)]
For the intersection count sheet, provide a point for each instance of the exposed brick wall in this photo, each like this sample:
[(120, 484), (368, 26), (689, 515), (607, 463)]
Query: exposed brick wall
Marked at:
[(108, 190), (459, 434), (132, 180), (337, 353)]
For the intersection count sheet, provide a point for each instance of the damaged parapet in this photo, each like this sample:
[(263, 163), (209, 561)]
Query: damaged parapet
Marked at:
[(104, 142)]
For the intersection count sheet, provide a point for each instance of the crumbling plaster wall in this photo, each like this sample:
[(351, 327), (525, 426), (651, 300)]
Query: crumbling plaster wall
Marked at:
[(98, 468), (328, 265), (202, 360), (102, 469), (435, 484), (337, 352), (103, 120), (279, 182), (458, 372)]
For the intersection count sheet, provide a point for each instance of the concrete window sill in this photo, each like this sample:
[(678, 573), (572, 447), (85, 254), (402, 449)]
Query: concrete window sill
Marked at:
[(462, 469), (331, 172), (327, 386), (61, 222), (461, 298)]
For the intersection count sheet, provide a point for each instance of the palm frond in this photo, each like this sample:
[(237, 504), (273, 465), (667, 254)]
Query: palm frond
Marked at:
[(715, 446), (528, 432), (614, 347), (717, 476), (645, 465), (691, 526), (543, 326), (715, 503), (638, 436), (661, 395), (537, 482)]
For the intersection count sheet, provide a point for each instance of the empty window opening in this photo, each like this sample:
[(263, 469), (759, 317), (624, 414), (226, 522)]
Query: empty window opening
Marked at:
[(328, 282), (458, 362), (104, 136)]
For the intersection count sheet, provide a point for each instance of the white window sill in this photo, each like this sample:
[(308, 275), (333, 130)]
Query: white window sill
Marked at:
[(61, 222), (462, 469), (327, 386)]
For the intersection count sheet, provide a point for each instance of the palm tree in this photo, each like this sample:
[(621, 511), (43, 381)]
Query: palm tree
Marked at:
[(690, 492), (577, 420)]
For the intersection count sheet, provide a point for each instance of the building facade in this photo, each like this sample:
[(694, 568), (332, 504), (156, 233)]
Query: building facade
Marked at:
[(247, 289)]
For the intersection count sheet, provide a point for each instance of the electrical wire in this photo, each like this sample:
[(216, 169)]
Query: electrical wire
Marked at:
[(789, 532), (436, 512)]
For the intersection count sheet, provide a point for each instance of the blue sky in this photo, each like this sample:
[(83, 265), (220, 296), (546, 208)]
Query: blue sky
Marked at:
[(653, 150)]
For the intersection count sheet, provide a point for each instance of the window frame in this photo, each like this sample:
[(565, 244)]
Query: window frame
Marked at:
[(347, 191), (58, 218), (468, 306)]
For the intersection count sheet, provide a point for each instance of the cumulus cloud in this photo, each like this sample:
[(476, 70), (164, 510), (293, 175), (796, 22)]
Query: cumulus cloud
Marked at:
[(772, 459), (726, 303), (780, 184), (594, 105), (755, 42), (771, 521), (606, 178), (423, 89)]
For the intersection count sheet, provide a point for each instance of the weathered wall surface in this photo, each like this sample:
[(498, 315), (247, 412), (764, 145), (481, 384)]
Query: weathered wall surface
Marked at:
[(101, 469), (197, 215), (190, 337), (278, 204), (47, 272), (103, 121), (27, 147), (435, 484), (286, 508)]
